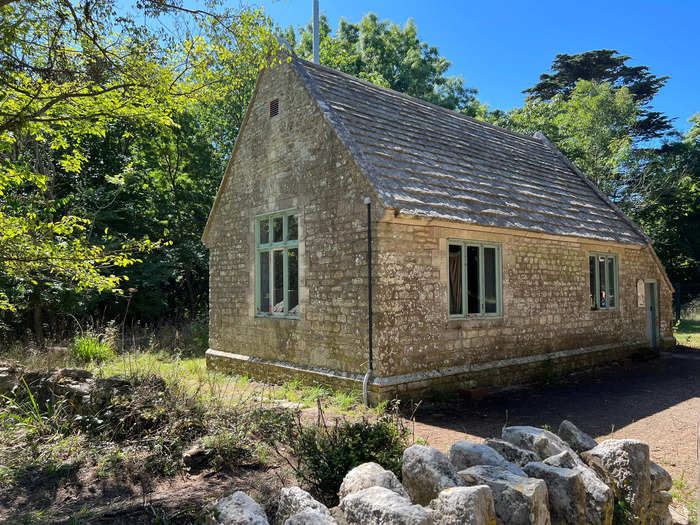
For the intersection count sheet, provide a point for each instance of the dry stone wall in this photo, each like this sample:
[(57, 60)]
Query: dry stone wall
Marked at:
[(558, 488)]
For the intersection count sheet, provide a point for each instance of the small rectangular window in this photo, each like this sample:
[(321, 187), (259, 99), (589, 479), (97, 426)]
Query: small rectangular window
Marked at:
[(474, 279), (277, 265), (274, 107), (490, 297), (455, 262), (603, 281), (264, 276)]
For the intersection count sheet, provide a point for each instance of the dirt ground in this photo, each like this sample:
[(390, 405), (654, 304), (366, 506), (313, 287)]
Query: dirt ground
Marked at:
[(657, 401)]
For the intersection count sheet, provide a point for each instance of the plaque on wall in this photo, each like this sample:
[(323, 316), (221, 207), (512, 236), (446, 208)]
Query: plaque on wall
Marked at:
[(641, 301)]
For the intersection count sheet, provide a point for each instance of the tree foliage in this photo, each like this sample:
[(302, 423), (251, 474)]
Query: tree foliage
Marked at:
[(663, 194), (79, 81), (388, 55), (606, 66)]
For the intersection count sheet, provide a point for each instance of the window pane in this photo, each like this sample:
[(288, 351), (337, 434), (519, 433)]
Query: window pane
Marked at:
[(293, 281), (277, 230), (601, 278), (278, 281), (611, 282), (264, 231), (490, 280), (591, 266), (473, 279), (292, 227), (264, 282), (455, 262)]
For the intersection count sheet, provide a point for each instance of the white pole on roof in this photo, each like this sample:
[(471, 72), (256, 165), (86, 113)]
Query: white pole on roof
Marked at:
[(315, 24)]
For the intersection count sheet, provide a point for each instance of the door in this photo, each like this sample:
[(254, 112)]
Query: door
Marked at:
[(652, 316)]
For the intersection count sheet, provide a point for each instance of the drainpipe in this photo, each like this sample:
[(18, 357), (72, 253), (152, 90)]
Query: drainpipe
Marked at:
[(365, 381)]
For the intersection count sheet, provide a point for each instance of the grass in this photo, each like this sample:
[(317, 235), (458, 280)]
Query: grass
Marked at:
[(684, 495), (687, 332), (137, 439), (91, 347)]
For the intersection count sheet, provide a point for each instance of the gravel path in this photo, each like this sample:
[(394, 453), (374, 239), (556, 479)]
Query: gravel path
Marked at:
[(657, 401)]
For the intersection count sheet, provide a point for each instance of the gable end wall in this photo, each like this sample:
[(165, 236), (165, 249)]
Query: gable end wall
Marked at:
[(293, 160)]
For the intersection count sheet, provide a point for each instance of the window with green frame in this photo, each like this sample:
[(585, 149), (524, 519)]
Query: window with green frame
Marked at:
[(602, 271), (277, 264), (474, 270)]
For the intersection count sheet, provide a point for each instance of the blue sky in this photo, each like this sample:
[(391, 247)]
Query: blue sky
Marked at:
[(501, 48)]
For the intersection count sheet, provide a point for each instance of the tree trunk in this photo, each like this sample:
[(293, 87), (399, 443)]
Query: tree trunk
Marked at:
[(38, 325)]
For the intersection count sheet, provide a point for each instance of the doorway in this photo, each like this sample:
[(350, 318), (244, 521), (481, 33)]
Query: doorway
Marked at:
[(652, 314)]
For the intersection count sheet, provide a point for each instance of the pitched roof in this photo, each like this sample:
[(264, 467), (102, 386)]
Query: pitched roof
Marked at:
[(433, 162)]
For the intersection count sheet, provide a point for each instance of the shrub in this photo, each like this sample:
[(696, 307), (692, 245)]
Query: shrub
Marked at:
[(90, 347), (326, 453)]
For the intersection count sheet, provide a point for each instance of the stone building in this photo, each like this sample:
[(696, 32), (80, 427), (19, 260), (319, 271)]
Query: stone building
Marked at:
[(494, 259)]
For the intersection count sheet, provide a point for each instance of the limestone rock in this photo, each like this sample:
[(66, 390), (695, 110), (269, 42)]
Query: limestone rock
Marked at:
[(426, 472), (370, 475), (660, 479), (567, 495), (510, 452), (382, 506), (576, 438), (678, 518), (465, 454), (625, 463), (196, 457), (105, 388), (294, 500), (338, 516), (236, 509), (599, 496), (310, 517), (9, 377), (518, 500), (543, 442), (659, 510), (464, 506)]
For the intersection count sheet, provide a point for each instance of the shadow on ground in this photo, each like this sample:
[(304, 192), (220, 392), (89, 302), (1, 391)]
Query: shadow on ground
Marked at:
[(598, 401)]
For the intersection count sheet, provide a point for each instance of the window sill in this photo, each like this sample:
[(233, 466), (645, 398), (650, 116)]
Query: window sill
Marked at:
[(272, 316), (480, 317)]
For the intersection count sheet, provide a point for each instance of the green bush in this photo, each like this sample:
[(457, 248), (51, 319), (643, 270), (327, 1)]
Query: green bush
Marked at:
[(90, 347), (326, 453)]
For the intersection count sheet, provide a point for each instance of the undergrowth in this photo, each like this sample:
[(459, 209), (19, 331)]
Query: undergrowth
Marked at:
[(324, 452)]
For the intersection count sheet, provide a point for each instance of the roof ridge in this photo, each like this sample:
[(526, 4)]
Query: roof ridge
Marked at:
[(419, 101)]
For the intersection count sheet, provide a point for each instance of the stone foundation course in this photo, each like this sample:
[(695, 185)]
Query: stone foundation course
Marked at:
[(530, 476)]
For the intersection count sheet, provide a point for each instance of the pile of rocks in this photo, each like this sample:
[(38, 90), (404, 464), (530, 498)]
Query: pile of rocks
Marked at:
[(529, 476), (80, 386)]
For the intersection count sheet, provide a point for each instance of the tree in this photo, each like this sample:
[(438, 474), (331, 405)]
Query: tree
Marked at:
[(663, 195), (69, 71), (391, 56), (606, 66)]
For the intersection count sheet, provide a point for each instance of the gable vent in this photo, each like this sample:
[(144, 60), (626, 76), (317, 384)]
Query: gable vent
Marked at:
[(274, 107)]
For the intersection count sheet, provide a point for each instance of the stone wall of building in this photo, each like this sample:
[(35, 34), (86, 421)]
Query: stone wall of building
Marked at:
[(292, 161), (546, 305)]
